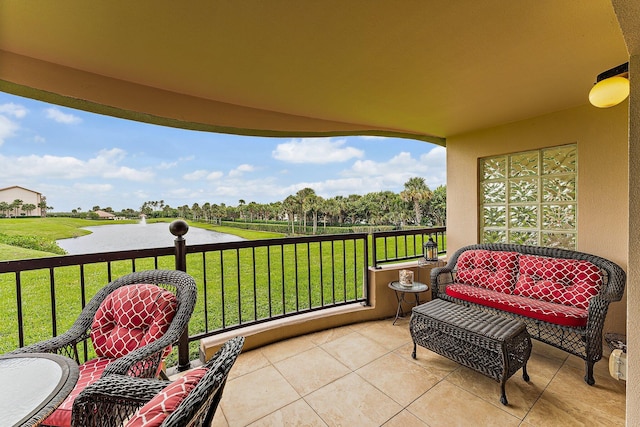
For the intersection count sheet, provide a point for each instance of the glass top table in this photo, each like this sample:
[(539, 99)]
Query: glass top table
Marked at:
[(33, 385), (402, 290)]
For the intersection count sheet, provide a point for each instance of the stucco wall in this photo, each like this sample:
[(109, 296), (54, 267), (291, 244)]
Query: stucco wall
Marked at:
[(10, 194), (633, 321), (603, 198)]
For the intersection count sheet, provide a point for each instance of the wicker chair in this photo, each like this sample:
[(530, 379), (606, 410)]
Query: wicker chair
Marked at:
[(162, 301), (118, 400)]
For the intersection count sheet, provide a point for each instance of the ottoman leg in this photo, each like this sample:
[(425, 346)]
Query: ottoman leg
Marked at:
[(503, 395), (413, 354), (525, 375)]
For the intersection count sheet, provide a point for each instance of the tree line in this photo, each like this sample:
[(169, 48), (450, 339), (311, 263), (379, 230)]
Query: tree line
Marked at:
[(7, 209), (416, 204)]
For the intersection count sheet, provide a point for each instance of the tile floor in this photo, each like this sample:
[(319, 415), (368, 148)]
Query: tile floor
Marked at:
[(363, 375)]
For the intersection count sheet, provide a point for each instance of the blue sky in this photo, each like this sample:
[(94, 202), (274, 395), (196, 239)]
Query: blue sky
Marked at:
[(79, 160)]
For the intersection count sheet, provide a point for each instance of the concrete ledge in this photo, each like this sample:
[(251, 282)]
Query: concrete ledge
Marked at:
[(382, 300), (281, 329)]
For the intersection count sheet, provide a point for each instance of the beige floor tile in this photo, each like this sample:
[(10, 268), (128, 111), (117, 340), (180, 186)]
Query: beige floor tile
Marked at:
[(296, 414), (351, 401), (398, 378), (542, 369), (287, 348), (354, 350), (521, 395), (329, 335), (248, 362), (255, 395), (219, 420), (600, 368), (310, 370), (405, 419), (448, 405), (432, 362), (268, 394), (387, 334), (568, 400)]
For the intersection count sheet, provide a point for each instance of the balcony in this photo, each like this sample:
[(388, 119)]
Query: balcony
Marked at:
[(363, 375), (322, 357)]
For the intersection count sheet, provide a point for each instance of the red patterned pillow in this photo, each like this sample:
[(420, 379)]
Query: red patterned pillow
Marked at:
[(495, 270), (131, 317), (562, 281), (162, 405)]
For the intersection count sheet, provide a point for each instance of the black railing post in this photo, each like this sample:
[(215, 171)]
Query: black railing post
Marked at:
[(179, 228)]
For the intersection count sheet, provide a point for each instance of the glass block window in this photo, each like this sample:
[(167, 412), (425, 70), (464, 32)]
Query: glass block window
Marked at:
[(530, 198)]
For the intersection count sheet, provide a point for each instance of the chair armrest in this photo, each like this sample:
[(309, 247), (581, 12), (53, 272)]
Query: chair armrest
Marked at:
[(143, 362), (65, 344), (112, 400)]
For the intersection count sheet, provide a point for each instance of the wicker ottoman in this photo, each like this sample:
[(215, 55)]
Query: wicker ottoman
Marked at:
[(494, 346)]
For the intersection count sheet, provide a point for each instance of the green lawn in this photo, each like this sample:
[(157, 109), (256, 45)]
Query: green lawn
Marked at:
[(235, 286), (35, 286)]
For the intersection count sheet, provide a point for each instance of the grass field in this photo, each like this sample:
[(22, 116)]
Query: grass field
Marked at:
[(235, 286)]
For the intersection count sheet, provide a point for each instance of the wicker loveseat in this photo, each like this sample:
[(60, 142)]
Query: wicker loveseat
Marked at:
[(562, 296)]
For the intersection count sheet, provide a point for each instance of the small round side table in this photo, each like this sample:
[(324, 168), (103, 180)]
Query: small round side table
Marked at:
[(402, 291)]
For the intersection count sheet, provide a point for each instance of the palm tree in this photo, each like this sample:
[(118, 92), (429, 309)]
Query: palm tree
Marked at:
[(43, 207), (416, 192), (290, 206), (4, 208), (28, 208), (17, 203), (306, 197), (438, 206)]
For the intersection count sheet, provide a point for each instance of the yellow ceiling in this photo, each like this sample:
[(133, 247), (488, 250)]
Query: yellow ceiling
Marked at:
[(427, 69)]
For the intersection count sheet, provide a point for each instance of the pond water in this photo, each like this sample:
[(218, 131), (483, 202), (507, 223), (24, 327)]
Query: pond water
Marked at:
[(123, 237)]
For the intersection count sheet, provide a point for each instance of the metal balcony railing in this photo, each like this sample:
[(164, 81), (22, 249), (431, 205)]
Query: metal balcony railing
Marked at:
[(240, 283), (403, 245)]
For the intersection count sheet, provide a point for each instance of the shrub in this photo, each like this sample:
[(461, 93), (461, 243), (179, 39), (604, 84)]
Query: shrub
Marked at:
[(32, 242)]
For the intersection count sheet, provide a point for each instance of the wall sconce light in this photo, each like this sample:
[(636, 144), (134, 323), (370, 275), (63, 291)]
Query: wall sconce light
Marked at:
[(611, 88)]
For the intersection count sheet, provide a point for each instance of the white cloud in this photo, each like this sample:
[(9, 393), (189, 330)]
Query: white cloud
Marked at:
[(202, 174), (166, 165), (240, 170), (371, 137), (215, 175), (196, 175), (104, 165), (39, 139), (93, 188), (60, 117), (8, 128), (315, 150), (15, 110)]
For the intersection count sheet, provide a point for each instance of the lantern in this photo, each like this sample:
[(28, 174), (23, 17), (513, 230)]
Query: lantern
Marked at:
[(431, 250)]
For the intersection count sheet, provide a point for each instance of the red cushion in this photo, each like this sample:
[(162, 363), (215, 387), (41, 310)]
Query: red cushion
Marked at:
[(131, 317), (154, 412), (561, 281), (495, 270), (89, 372), (542, 310)]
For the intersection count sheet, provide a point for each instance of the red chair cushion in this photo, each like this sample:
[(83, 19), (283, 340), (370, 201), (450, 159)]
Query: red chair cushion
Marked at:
[(131, 317), (89, 372), (562, 281), (495, 270), (154, 412), (537, 309)]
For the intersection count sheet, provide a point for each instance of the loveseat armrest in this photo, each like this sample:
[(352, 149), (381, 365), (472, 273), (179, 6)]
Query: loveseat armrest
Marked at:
[(440, 278)]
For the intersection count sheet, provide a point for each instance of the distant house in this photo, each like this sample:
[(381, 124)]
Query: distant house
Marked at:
[(105, 215), (28, 197)]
